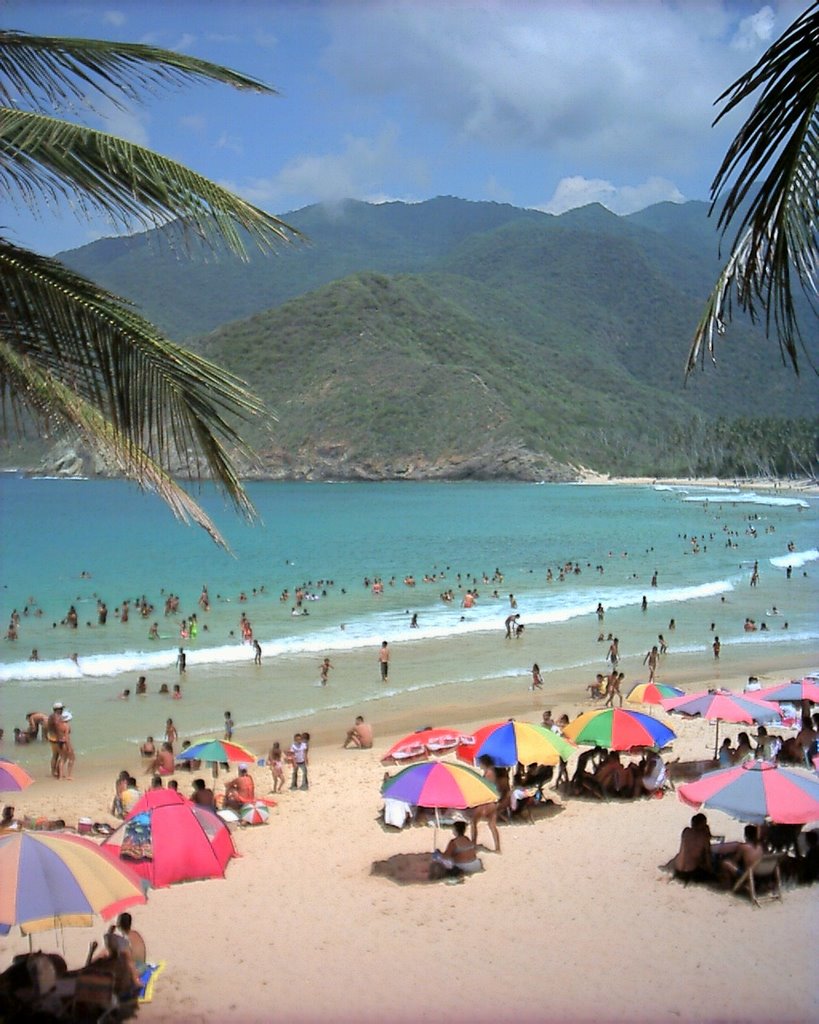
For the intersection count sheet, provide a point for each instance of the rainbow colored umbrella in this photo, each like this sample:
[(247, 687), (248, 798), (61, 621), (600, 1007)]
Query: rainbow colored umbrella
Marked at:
[(510, 742), (440, 784), (797, 690), (422, 744), (217, 752), (618, 729), (723, 706), (55, 880), (13, 777), (757, 791), (653, 693)]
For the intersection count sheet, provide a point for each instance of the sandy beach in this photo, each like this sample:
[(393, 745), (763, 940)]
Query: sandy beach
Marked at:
[(573, 920)]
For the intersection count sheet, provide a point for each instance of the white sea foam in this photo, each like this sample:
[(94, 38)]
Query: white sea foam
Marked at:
[(796, 559), (748, 498)]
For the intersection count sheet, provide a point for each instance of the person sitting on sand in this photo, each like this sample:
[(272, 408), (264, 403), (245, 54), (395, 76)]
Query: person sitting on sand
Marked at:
[(693, 861), (202, 795), (651, 778), (135, 941), (726, 754), (163, 763), (460, 857), (148, 748), (241, 790), (361, 735), (118, 961), (8, 823), (744, 751)]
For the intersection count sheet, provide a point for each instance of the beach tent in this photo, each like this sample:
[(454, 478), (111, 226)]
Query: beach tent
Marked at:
[(168, 839)]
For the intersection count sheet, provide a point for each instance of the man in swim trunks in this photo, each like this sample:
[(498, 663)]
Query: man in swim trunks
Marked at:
[(361, 735), (53, 737), (240, 790), (384, 660)]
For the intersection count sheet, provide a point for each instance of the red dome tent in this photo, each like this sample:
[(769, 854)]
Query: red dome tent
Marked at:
[(167, 839)]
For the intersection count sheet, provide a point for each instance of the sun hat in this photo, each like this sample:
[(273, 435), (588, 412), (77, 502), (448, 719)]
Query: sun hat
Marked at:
[(242, 767), (57, 705)]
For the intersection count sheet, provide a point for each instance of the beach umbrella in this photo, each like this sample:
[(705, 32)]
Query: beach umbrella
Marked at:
[(13, 777), (510, 742), (56, 880), (723, 706), (422, 744), (256, 813), (618, 729), (795, 691), (438, 784), (653, 693), (756, 791), (217, 752)]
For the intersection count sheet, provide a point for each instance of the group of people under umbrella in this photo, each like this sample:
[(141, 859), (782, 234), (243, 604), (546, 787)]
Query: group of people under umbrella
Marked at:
[(753, 790), (56, 879)]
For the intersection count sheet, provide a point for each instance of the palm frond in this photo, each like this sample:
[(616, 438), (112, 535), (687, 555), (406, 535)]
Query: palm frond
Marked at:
[(23, 375), (153, 397), (45, 159), (774, 164), (51, 73)]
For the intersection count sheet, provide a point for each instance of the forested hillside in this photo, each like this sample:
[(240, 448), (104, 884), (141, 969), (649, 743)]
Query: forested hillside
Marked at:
[(453, 338)]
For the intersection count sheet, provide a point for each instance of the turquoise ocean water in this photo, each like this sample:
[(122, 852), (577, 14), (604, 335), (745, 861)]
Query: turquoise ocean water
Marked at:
[(75, 542)]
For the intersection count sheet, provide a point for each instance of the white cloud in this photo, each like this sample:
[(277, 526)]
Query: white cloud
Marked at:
[(755, 29), (579, 191), (357, 171), (231, 143), (616, 89)]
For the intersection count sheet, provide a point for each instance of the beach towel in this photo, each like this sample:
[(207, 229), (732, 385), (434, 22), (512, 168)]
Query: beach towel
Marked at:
[(147, 979), (396, 812)]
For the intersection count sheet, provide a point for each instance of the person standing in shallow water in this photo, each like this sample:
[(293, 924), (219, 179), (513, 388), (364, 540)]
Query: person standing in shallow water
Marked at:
[(384, 660)]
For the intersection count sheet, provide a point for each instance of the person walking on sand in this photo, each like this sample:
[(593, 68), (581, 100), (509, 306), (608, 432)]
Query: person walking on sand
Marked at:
[(257, 652), (324, 671), (182, 661), (716, 646), (537, 678), (384, 660), (613, 655), (652, 659)]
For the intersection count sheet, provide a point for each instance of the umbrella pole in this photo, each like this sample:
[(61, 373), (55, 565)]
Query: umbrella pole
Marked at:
[(716, 742), (435, 830)]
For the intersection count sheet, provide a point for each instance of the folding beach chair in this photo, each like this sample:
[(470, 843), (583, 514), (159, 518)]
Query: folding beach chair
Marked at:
[(765, 870)]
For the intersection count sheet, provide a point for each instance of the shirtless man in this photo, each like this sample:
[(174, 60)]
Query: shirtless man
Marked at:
[(694, 855), (163, 763), (384, 660), (53, 737), (652, 660), (324, 671), (744, 855), (202, 795), (361, 735), (240, 790), (37, 724)]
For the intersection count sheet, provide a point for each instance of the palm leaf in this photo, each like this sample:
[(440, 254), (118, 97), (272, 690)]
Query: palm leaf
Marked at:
[(45, 159), (773, 160), (51, 73), (159, 405)]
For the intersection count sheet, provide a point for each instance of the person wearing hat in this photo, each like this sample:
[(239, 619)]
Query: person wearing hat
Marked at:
[(53, 736), (67, 755), (240, 790)]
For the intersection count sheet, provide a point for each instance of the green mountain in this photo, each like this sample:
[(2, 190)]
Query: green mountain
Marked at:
[(451, 338)]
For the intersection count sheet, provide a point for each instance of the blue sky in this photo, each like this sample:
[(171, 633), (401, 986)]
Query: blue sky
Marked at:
[(548, 104)]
